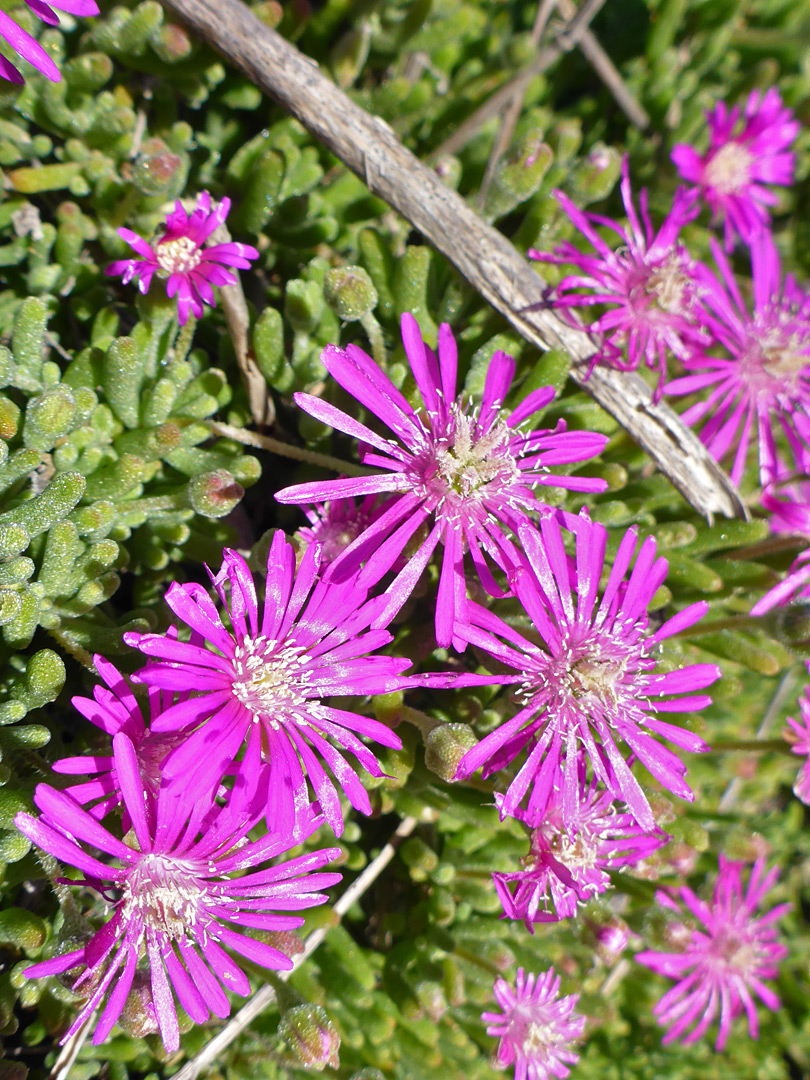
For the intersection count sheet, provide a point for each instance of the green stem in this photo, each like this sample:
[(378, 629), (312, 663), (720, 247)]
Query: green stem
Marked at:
[(182, 343), (375, 336), (297, 453)]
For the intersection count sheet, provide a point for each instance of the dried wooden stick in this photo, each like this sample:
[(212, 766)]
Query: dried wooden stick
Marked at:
[(368, 146)]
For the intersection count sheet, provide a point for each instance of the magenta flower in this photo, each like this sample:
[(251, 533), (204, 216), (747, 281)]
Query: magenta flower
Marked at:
[(793, 588), (722, 965), (537, 1026), (464, 473), (765, 378), (264, 683), (646, 285), (28, 47), (742, 158), (335, 525), (193, 871), (569, 866), (589, 683), (799, 737), (115, 708), (180, 257)]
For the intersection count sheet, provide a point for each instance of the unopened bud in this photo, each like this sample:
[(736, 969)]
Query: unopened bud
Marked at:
[(138, 1017), (311, 1035), (349, 292), (790, 625), (595, 176), (610, 940), (445, 746), (214, 494), (158, 170)]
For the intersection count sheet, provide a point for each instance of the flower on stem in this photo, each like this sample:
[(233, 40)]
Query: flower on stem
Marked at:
[(567, 866), (536, 1027), (264, 682), (722, 966), (646, 285), (115, 708), (465, 473), (748, 149), (799, 737), (765, 378), (179, 256), (28, 47), (590, 682), (192, 872)]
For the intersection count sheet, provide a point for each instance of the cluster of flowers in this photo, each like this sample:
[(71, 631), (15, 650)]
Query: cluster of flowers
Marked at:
[(747, 367), (241, 728)]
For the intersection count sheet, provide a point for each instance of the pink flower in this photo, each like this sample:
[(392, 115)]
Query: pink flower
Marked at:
[(722, 965), (569, 866), (264, 681), (537, 1026), (28, 47), (765, 378), (587, 681), (193, 871), (799, 737), (746, 152), (646, 285), (464, 473), (115, 708), (179, 256)]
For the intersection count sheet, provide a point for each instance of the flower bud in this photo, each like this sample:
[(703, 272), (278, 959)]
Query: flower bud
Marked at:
[(790, 625), (445, 746), (349, 292), (610, 939), (214, 494), (311, 1035)]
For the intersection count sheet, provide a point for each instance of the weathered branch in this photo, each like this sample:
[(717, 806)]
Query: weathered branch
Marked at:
[(368, 146)]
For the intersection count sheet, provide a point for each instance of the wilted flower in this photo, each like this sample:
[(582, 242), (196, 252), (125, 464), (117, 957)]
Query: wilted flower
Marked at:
[(28, 47), (173, 894), (537, 1026), (464, 473), (567, 866), (722, 965), (799, 737), (179, 255), (646, 285), (264, 683), (590, 683), (765, 380), (746, 151), (115, 708)]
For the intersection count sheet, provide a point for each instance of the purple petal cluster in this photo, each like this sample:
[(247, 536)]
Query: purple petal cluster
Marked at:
[(748, 152), (536, 1028), (798, 734), (28, 47), (182, 897), (181, 257), (724, 962), (464, 474)]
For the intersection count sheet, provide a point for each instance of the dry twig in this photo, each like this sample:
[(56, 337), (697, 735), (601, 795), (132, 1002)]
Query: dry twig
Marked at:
[(368, 146)]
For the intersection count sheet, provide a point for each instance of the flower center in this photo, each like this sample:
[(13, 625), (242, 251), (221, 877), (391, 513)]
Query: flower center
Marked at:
[(178, 256), (735, 951), (540, 1037), (468, 464), (596, 676), (165, 893), (729, 169), (267, 678), (668, 286), (577, 853)]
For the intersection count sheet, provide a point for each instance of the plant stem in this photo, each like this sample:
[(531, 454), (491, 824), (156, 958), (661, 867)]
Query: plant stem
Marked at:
[(297, 453)]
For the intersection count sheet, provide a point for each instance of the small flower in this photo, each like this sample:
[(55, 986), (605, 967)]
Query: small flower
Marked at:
[(537, 1026), (722, 965), (335, 525), (463, 472), (799, 737), (741, 159), (765, 379), (180, 257), (263, 683), (115, 708), (28, 47), (646, 285), (569, 866), (589, 683), (192, 872)]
